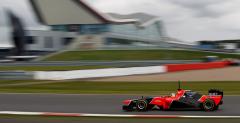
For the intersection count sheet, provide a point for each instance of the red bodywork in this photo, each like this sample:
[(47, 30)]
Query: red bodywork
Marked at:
[(166, 101)]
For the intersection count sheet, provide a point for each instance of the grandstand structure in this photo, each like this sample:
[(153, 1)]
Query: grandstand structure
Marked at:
[(92, 29)]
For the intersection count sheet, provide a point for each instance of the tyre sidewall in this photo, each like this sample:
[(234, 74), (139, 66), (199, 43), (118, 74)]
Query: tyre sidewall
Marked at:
[(208, 105), (142, 103)]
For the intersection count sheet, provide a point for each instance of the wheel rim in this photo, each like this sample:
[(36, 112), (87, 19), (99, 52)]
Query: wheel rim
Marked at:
[(141, 105), (208, 105)]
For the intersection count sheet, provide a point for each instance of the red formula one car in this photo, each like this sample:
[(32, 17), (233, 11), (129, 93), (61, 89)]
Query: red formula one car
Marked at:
[(182, 100)]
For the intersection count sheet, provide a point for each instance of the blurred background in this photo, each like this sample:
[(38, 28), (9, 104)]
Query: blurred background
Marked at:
[(119, 49), (76, 35), (34, 28)]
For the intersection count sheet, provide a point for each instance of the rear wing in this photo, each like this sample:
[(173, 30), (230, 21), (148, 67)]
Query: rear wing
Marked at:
[(214, 92)]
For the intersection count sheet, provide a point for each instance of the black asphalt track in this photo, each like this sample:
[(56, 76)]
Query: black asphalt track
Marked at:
[(97, 104)]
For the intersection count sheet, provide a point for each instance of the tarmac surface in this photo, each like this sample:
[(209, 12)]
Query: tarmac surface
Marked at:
[(110, 120), (98, 104)]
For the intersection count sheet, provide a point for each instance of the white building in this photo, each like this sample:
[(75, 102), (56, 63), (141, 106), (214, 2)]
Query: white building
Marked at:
[(48, 41), (220, 45), (80, 26), (83, 27)]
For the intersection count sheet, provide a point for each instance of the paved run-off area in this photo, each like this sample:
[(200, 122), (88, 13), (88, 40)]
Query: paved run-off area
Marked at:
[(222, 74)]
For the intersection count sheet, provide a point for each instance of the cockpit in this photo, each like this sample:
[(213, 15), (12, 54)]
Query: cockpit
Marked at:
[(191, 94)]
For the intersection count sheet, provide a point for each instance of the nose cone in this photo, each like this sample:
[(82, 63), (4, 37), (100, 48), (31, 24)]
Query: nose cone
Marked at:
[(127, 102)]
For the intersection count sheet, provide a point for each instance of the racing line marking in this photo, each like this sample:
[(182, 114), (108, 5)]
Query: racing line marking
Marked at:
[(111, 115)]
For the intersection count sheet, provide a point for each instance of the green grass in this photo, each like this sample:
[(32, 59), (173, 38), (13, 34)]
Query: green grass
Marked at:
[(135, 55), (78, 87), (49, 68), (9, 82)]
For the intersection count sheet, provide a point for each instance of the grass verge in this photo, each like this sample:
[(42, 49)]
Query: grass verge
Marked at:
[(11, 82), (79, 87), (49, 68), (135, 55)]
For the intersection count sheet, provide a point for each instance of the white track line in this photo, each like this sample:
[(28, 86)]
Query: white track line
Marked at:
[(19, 113), (112, 115)]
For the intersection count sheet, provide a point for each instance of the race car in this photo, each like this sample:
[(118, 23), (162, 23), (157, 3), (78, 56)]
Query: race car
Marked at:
[(182, 100)]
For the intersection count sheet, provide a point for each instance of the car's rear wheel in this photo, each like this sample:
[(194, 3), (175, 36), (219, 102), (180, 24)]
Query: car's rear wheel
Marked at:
[(128, 108), (216, 107), (209, 105), (142, 105)]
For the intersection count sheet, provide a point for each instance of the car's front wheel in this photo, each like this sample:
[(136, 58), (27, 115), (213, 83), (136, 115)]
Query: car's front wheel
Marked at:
[(142, 105), (209, 105)]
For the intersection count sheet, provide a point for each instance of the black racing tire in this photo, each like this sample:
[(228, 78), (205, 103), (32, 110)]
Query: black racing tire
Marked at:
[(128, 108), (142, 105), (209, 105), (216, 107)]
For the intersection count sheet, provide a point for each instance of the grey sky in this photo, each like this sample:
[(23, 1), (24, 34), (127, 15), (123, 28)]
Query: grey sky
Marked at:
[(21, 8), (188, 20)]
